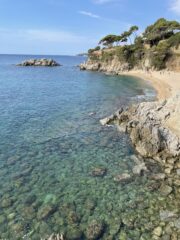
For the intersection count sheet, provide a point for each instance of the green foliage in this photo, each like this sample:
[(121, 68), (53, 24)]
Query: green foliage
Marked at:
[(160, 54), (91, 50), (107, 56), (162, 29), (108, 40), (174, 40)]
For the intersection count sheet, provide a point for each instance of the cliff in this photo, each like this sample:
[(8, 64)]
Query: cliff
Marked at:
[(113, 61)]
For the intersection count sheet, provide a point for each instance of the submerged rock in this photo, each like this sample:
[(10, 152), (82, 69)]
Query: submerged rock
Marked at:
[(123, 178), (45, 211), (95, 230), (98, 172), (39, 62), (165, 189)]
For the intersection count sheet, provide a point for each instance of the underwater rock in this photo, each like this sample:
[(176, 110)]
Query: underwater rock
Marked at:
[(2, 219), (165, 189), (177, 223), (123, 178), (98, 172), (167, 215), (95, 230), (158, 231), (139, 169), (6, 202), (30, 199), (74, 233), (45, 211), (72, 217), (28, 213), (158, 176)]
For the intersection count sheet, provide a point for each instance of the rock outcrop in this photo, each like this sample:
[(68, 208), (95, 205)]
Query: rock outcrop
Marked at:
[(39, 63), (147, 125), (113, 66)]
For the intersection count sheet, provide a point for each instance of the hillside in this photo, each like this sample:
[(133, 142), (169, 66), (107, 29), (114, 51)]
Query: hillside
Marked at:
[(157, 48)]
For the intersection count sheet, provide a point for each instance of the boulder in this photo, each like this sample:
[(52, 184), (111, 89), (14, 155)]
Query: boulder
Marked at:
[(39, 62)]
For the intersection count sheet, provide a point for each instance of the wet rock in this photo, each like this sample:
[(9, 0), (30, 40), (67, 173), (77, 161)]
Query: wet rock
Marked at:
[(11, 216), (95, 230), (39, 62), (30, 199), (98, 172), (45, 212), (139, 169), (28, 213), (74, 233), (2, 219), (158, 231), (167, 215), (177, 223), (6, 203), (123, 178), (165, 190), (72, 217), (158, 176)]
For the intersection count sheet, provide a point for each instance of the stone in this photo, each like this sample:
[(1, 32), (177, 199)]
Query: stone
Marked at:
[(123, 178), (167, 215), (158, 176), (98, 172), (45, 211), (165, 190), (177, 223), (157, 231), (74, 234), (39, 62), (6, 203), (139, 169), (95, 230)]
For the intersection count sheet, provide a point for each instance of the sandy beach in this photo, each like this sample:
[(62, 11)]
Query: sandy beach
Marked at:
[(166, 83)]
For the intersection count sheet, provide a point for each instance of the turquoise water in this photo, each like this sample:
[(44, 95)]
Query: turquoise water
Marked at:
[(50, 143)]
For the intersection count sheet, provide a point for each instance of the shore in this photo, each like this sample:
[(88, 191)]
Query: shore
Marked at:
[(166, 83)]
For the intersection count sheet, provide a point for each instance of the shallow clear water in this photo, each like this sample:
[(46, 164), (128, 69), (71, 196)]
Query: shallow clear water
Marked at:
[(50, 142)]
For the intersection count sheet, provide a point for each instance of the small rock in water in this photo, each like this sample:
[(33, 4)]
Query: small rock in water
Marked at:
[(177, 223), (139, 169), (98, 172), (123, 178), (158, 176), (45, 211), (92, 114), (6, 202), (39, 62), (165, 189), (157, 231), (94, 230)]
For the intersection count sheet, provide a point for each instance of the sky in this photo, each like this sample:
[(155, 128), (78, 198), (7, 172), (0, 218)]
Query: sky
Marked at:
[(69, 27)]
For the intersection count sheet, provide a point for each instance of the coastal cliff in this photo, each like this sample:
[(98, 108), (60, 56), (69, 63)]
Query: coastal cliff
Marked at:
[(154, 127)]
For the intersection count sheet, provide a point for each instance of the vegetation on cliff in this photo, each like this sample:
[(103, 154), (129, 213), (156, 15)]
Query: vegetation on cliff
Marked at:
[(156, 44)]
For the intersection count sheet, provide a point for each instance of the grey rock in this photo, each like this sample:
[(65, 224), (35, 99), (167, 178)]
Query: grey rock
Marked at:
[(167, 215), (165, 190), (39, 62), (123, 178)]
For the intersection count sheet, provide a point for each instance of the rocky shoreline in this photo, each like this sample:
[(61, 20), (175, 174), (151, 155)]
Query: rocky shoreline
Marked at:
[(147, 124)]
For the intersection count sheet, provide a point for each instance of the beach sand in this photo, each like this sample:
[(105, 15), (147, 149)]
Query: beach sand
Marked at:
[(167, 84)]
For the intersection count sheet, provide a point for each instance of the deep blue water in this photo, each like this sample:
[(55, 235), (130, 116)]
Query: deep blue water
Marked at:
[(50, 142)]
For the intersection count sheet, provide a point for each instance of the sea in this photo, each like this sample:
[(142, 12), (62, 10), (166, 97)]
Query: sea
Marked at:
[(51, 142)]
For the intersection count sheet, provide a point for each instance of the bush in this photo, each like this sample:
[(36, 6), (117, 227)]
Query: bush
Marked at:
[(160, 55), (174, 41)]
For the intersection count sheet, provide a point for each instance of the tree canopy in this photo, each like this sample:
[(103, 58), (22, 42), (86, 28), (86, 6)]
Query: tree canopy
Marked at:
[(160, 30)]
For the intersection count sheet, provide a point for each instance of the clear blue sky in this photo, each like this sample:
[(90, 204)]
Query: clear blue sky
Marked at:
[(73, 26)]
